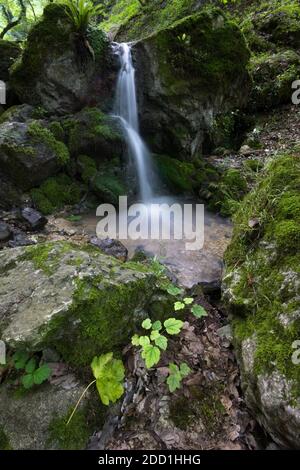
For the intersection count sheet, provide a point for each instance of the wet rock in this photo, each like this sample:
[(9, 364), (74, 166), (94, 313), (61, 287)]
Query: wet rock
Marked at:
[(20, 239), (181, 89), (111, 247), (33, 219), (5, 232)]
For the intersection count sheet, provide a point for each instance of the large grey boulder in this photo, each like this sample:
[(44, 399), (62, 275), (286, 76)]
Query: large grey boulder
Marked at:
[(74, 299), (187, 74)]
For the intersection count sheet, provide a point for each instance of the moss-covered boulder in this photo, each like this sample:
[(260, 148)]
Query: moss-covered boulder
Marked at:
[(74, 299), (261, 286), (61, 70), (187, 74), (93, 133), (273, 75), (9, 51), (29, 151), (279, 22)]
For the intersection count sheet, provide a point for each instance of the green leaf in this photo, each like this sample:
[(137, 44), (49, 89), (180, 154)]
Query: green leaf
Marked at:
[(188, 300), (162, 342), (151, 355), (109, 390), (179, 306), (184, 370), (109, 374), (157, 326), (173, 368), (27, 381), (20, 358), (98, 364), (144, 340), (135, 340), (173, 326), (41, 374), (30, 366), (154, 335), (174, 381), (147, 324), (173, 290), (198, 311)]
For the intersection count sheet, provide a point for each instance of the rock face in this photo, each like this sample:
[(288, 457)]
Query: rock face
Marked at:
[(186, 75), (37, 420), (9, 51), (76, 300), (261, 286), (59, 69), (29, 153)]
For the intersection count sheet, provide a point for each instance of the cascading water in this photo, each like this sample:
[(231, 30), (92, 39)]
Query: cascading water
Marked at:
[(126, 110)]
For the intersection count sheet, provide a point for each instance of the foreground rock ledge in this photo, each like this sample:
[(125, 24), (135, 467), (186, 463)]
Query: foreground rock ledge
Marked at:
[(74, 299)]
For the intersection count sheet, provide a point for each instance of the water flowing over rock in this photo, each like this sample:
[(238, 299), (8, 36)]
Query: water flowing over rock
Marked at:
[(127, 110), (187, 74)]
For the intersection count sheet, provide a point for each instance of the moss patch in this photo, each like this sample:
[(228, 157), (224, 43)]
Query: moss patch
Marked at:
[(72, 437), (55, 193), (46, 137)]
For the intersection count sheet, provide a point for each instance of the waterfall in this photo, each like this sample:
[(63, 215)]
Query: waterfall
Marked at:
[(126, 110)]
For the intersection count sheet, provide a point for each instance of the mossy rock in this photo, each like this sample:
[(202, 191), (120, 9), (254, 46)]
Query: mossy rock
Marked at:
[(85, 303), (280, 22), (261, 286), (273, 75), (9, 51), (189, 73), (29, 152), (93, 133), (55, 193), (57, 70)]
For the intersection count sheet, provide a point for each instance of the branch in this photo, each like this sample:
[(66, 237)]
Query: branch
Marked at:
[(13, 23)]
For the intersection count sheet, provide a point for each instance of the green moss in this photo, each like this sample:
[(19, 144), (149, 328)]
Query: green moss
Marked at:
[(72, 437), (87, 167), (44, 256), (55, 193), (91, 126), (273, 75), (46, 137), (262, 268), (221, 57), (176, 174), (57, 130), (4, 441), (108, 185), (204, 406), (287, 235)]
